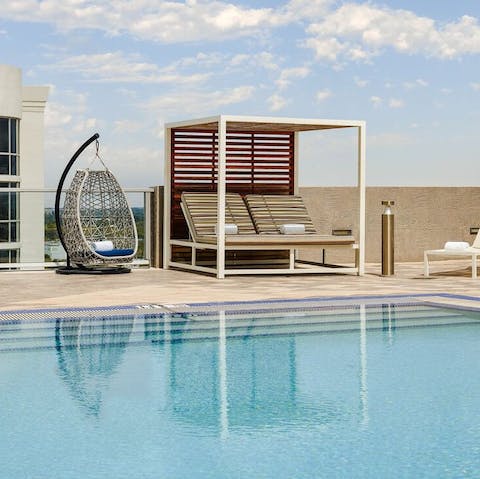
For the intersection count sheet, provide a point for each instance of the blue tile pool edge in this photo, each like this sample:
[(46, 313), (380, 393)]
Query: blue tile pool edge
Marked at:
[(236, 307)]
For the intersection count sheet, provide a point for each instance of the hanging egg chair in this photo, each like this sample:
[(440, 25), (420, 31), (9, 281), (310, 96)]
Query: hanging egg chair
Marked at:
[(97, 228)]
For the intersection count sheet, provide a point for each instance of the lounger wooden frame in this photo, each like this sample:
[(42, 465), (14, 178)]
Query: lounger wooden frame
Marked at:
[(219, 126)]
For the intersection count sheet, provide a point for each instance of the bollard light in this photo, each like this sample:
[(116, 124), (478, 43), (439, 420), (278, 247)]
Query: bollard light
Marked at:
[(388, 264)]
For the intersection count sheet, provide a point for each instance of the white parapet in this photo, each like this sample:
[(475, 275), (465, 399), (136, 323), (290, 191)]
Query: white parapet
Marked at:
[(32, 205), (11, 91)]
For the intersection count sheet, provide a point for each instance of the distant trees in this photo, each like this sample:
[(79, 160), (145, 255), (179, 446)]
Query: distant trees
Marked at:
[(138, 213)]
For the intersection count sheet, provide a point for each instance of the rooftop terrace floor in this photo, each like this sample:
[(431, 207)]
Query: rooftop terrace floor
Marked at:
[(28, 290)]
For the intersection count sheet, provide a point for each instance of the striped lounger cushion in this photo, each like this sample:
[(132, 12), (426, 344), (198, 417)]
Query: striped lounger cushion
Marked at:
[(270, 212), (201, 213)]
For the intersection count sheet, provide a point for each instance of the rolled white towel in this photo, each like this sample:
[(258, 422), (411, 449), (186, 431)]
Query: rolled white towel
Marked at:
[(102, 245), (230, 229), (292, 229), (456, 245)]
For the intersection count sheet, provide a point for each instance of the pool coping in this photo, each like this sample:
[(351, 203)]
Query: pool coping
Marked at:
[(443, 300)]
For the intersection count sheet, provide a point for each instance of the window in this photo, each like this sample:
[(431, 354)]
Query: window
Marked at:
[(9, 255), (9, 200), (9, 218), (9, 146)]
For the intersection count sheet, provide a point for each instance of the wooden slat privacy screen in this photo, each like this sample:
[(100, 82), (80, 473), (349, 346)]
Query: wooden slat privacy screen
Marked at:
[(257, 162)]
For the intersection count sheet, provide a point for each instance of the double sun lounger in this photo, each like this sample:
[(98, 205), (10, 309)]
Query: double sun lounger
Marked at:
[(257, 222)]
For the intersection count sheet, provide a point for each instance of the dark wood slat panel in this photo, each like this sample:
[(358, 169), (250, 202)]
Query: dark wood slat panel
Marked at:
[(258, 143), (192, 154), (257, 155), (256, 162)]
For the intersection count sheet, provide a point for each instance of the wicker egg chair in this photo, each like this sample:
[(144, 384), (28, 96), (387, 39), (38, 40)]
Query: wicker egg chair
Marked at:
[(97, 227)]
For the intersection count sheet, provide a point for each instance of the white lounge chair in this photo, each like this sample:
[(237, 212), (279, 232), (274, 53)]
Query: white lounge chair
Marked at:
[(472, 252)]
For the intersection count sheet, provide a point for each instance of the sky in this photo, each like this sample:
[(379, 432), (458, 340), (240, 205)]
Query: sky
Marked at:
[(122, 68)]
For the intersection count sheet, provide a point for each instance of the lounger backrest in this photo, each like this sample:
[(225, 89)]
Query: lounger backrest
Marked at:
[(476, 241), (200, 210), (269, 212)]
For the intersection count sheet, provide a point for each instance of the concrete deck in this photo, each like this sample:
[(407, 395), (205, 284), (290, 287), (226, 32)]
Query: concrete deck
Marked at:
[(45, 289)]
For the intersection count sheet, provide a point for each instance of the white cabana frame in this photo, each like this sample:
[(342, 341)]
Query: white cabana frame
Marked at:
[(222, 124)]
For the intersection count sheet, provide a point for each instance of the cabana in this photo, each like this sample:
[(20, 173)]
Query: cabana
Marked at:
[(245, 155)]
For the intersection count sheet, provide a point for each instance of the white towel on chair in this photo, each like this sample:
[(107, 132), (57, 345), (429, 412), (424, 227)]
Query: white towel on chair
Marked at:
[(456, 245), (230, 229), (102, 245), (292, 229)]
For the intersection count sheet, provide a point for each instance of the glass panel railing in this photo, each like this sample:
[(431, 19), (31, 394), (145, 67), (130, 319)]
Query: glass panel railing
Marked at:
[(31, 237)]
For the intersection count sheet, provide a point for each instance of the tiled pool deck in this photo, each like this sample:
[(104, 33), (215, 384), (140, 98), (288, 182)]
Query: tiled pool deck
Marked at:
[(32, 290)]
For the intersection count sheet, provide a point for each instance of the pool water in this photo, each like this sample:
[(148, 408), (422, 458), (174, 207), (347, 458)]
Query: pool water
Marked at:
[(376, 391)]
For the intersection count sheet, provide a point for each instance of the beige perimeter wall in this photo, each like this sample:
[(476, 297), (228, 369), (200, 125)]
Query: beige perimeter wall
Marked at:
[(425, 218)]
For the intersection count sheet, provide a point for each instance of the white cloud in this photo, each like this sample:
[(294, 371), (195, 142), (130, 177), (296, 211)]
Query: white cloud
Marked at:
[(322, 95), (265, 60), (326, 48), (287, 75), (68, 122), (360, 83), (395, 103), (163, 21), (130, 163), (419, 82), (199, 102), (85, 125), (126, 126), (376, 101), (277, 102), (475, 86), (351, 32), (57, 115), (120, 68), (361, 31), (64, 107), (229, 17), (305, 9), (201, 59)]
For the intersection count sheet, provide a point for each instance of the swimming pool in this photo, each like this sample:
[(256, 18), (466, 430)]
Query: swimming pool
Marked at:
[(350, 391)]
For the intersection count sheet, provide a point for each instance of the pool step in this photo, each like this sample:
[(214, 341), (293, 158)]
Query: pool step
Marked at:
[(161, 328)]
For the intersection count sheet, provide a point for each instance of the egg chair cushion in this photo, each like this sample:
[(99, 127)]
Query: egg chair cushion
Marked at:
[(116, 252)]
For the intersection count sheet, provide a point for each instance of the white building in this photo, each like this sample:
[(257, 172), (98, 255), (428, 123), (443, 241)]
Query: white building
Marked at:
[(21, 166)]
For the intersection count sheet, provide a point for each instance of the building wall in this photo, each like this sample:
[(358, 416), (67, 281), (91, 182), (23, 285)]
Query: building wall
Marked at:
[(27, 104), (11, 108)]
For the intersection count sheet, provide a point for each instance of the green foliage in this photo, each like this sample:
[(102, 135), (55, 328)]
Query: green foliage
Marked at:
[(138, 214), (50, 226)]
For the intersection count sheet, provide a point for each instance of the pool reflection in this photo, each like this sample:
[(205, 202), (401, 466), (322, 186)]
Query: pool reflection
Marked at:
[(89, 352), (236, 379)]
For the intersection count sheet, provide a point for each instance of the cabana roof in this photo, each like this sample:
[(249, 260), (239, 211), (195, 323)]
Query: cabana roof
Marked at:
[(263, 124)]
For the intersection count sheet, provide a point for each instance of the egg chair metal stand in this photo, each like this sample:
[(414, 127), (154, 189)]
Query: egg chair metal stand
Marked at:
[(96, 225)]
